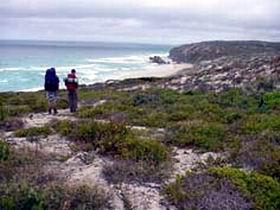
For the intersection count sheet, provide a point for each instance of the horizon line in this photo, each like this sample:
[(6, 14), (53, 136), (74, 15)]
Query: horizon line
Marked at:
[(90, 41)]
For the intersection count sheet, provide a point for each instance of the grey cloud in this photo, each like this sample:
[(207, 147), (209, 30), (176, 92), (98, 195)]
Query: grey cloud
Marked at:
[(168, 20)]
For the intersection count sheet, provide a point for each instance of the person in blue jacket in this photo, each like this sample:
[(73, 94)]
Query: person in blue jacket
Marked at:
[(51, 88)]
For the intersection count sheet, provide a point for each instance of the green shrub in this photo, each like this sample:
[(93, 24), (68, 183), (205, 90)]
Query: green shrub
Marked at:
[(4, 151), (24, 163), (263, 190), (235, 98), (18, 103), (208, 111), (3, 112), (224, 188), (93, 132), (36, 102), (11, 124), (180, 112), (115, 139), (153, 119), (270, 163), (17, 196), (261, 122), (20, 196), (91, 112), (17, 110), (64, 127), (260, 152), (35, 131), (90, 95), (141, 149), (62, 104), (204, 191), (58, 196), (272, 99), (175, 192), (204, 135), (129, 171), (231, 115)]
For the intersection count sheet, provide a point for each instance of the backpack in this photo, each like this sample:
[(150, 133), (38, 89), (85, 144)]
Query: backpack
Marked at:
[(51, 80), (71, 82)]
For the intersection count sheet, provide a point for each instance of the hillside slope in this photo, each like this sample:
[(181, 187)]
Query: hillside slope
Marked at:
[(220, 65), (196, 52)]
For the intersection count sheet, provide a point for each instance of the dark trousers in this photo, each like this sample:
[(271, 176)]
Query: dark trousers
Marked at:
[(73, 100)]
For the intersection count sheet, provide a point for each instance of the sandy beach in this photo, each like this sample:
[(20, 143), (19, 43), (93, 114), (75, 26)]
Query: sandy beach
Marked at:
[(165, 70)]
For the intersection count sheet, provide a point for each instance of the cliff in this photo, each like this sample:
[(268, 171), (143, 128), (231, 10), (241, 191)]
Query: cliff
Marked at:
[(220, 65), (197, 52)]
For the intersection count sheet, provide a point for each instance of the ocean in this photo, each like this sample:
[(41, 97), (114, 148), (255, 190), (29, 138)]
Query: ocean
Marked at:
[(23, 63)]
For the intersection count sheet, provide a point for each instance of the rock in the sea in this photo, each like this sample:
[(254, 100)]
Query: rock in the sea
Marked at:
[(157, 59)]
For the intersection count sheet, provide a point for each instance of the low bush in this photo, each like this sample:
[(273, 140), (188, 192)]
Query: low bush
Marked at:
[(63, 127), (20, 196), (24, 163), (94, 132), (87, 94), (263, 190), (34, 131), (232, 115), (58, 196), (91, 112), (107, 110), (203, 191), (272, 99), (23, 196), (203, 135), (62, 103), (26, 185), (235, 98), (224, 188), (11, 124), (4, 151), (270, 166), (114, 139), (262, 122), (3, 112), (259, 152), (127, 171), (16, 110), (135, 148)]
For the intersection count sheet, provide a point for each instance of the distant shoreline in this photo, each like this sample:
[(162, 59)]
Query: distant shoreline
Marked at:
[(159, 71)]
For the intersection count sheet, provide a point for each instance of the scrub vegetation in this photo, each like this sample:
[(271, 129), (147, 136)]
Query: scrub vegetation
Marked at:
[(243, 124)]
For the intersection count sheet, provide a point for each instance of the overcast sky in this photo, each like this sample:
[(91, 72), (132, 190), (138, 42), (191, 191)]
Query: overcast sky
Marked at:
[(146, 21)]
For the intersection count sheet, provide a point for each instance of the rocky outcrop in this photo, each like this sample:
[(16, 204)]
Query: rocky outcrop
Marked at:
[(221, 65), (203, 51), (157, 59), (228, 72)]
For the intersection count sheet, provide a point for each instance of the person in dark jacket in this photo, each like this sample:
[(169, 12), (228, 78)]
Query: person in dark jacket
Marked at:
[(51, 87), (71, 83)]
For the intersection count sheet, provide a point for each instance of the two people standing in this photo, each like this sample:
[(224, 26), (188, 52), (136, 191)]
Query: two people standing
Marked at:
[(52, 87)]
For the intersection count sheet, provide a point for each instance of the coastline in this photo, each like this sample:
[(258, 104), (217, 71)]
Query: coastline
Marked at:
[(165, 70), (157, 71)]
